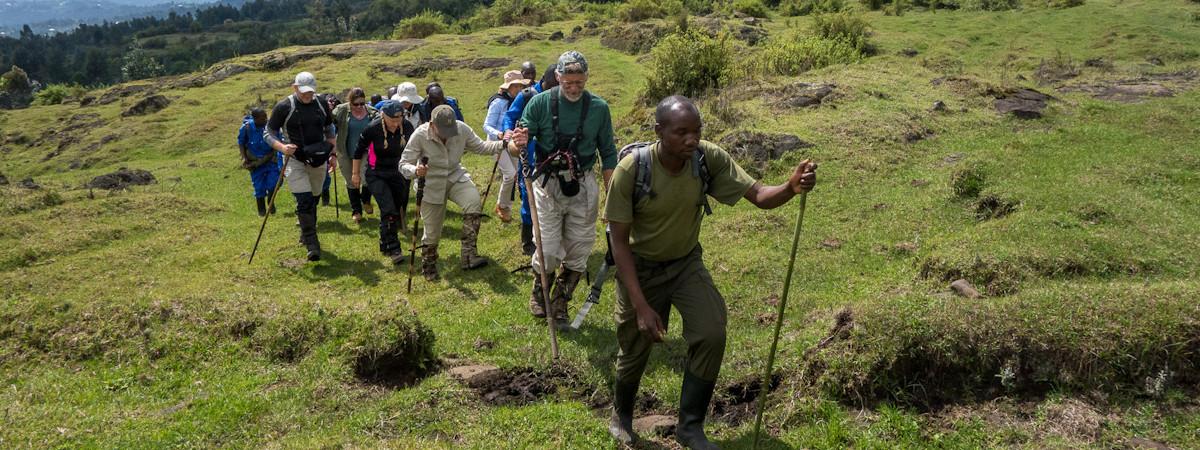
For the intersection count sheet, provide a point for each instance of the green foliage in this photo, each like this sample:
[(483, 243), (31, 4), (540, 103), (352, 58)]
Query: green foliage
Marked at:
[(55, 93), (968, 181), (422, 25), (639, 10), (688, 63), (752, 8), (517, 12), (990, 5), (794, 8), (137, 64), (798, 55), (698, 7), (873, 5), (15, 80), (847, 27)]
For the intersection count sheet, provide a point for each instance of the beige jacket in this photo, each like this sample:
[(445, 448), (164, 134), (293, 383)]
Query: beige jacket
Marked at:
[(445, 160)]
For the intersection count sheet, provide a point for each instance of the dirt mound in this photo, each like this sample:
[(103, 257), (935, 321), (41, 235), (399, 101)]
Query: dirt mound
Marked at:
[(122, 178), (799, 95), (148, 105), (520, 385), (761, 147), (1023, 103), (424, 66), (736, 402), (994, 207), (28, 183), (396, 369), (117, 93), (282, 59), (633, 39)]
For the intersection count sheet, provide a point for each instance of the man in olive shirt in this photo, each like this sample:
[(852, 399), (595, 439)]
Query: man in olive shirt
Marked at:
[(573, 129), (656, 247)]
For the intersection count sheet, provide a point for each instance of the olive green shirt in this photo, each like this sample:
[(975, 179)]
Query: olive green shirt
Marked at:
[(666, 226), (597, 129)]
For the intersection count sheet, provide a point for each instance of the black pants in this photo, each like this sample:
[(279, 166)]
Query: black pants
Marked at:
[(391, 194), (358, 197)]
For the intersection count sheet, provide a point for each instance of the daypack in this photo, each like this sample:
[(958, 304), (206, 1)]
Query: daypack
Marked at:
[(642, 185), (318, 158)]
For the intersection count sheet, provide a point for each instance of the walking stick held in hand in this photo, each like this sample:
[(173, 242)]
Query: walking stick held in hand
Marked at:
[(337, 212), (537, 239), (493, 177), (270, 207), (787, 283), (412, 255)]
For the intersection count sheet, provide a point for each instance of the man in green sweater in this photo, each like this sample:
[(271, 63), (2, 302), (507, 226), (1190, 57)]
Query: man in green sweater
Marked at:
[(655, 242), (573, 129)]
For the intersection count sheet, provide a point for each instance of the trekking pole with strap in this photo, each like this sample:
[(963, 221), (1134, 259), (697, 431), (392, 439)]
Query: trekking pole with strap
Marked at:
[(493, 177), (270, 207), (597, 284), (337, 211), (537, 239), (412, 255), (787, 283)]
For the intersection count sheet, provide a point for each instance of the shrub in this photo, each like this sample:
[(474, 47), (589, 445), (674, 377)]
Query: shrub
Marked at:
[(687, 63), (15, 80), (698, 7), (55, 93), (874, 5), (794, 8), (517, 12), (639, 10), (796, 56), (990, 5), (968, 181), (752, 8), (422, 25), (847, 27)]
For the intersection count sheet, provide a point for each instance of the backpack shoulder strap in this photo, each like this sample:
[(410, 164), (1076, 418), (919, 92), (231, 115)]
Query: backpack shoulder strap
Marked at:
[(700, 170), (642, 182), (288, 119)]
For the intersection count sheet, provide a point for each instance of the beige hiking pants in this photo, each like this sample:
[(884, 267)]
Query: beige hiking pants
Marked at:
[(567, 224)]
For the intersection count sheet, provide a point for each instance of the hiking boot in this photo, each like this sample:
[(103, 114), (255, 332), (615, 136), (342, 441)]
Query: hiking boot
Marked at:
[(527, 245), (505, 214), (389, 229), (693, 406), (429, 257), (470, 233), (325, 198), (397, 257), (262, 206), (366, 206), (357, 218), (537, 304), (564, 290), (620, 425), (306, 217)]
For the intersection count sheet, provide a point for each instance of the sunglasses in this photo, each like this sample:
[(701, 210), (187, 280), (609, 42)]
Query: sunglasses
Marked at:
[(358, 103)]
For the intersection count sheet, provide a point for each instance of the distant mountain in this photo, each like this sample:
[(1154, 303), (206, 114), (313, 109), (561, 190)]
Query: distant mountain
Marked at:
[(50, 16)]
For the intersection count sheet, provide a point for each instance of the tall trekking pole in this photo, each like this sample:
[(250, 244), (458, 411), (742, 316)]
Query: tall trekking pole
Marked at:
[(787, 284), (412, 255), (270, 207), (537, 239), (337, 211), (493, 177)]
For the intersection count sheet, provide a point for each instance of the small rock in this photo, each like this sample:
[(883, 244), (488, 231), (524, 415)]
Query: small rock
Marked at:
[(28, 184), (148, 105), (1023, 103), (919, 183), (909, 52), (576, 29), (938, 106), (122, 179), (590, 24), (964, 288), (3, 180), (484, 344), (765, 318), (556, 36), (832, 243), (655, 425), (1154, 61), (952, 158), (473, 373)]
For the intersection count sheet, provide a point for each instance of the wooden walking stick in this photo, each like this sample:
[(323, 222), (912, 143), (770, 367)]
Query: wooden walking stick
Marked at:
[(412, 254), (787, 283), (493, 177), (537, 239), (270, 207)]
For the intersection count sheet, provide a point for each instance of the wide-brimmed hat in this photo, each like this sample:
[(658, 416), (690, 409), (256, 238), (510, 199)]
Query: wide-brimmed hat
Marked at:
[(407, 92), (513, 77)]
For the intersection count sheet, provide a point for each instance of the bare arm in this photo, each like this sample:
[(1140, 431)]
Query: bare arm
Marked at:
[(648, 321), (802, 180)]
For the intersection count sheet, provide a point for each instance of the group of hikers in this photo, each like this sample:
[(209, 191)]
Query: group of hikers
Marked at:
[(550, 133)]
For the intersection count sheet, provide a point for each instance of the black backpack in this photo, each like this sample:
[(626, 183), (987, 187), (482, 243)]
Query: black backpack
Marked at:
[(642, 185)]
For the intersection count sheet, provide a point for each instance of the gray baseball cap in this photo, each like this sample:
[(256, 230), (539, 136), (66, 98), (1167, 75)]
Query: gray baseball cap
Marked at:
[(446, 121), (305, 82), (572, 57)]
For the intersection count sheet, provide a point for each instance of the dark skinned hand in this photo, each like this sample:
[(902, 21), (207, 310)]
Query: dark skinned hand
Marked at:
[(804, 178)]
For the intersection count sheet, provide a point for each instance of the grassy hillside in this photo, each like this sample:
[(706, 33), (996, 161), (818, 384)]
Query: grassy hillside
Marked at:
[(131, 319)]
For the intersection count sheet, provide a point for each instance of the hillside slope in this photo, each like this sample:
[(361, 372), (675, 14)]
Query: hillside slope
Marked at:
[(131, 319)]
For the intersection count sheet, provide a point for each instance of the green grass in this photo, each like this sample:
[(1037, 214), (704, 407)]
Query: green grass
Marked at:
[(124, 314)]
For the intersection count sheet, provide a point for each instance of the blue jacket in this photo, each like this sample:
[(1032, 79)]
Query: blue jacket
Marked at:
[(251, 137), (517, 107)]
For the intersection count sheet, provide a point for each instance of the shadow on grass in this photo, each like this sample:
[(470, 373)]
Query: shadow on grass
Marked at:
[(331, 267), (746, 440)]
